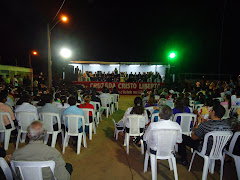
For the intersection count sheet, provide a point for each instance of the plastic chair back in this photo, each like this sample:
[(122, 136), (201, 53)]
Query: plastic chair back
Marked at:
[(25, 119), (192, 103), (73, 123), (227, 112), (47, 119), (86, 114), (30, 169), (6, 169), (155, 115), (96, 105), (150, 109), (186, 119), (165, 139), (157, 97), (2, 125), (104, 102), (233, 142), (116, 97), (220, 139), (134, 124)]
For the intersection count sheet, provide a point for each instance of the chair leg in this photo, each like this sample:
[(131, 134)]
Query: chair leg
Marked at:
[(125, 140), (116, 134), (107, 112), (170, 164), (222, 164), (211, 166), (62, 133), (94, 128), (79, 143), (142, 146), (2, 136), (65, 142), (174, 168), (90, 131), (153, 166), (205, 168), (84, 140), (189, 169), (146, 162), (24, 137), (18, 138), (6, 139), (46, 139), (127, 143), (54, 139)]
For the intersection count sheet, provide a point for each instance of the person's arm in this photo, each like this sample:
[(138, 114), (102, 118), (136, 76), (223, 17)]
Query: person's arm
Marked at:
[(11, 113), (198, 131)]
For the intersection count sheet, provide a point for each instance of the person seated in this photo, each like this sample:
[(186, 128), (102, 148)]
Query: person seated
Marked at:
[(50, 108), (195, 141), (151, 101), (114, 91), (205, 110), (180, 108), (37, 151), (87, 104), (63, 102), (145, 96), (23, 105), (6, 108), (57, 98), (227, 102), (165, 114), (94, 98), (200, 99), (104, 93)]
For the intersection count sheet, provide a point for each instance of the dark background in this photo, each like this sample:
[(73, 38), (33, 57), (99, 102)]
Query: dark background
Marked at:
[(123, 30)]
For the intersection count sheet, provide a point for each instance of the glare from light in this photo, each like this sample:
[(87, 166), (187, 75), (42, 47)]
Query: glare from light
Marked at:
[(94, 65), (172, 55), (34, 52), (64, 18), (114, 64), (134, 65), (66, 53), (159, 65), (153, 65)]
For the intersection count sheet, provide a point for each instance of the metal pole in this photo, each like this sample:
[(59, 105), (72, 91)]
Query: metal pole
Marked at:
[(49, 60)]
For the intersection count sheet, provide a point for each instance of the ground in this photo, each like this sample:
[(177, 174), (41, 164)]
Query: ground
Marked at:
[(105, 158)]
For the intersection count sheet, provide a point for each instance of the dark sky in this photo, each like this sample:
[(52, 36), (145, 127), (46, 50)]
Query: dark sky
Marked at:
[(113, 30)]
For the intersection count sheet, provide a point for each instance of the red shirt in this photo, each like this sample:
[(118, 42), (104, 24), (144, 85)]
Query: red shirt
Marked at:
[(89, 106)]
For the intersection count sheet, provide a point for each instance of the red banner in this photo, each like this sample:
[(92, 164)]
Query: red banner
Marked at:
[(129, 88)]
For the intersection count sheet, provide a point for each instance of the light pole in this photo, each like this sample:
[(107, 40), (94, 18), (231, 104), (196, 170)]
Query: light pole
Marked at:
[(64, 19), (29, 57)]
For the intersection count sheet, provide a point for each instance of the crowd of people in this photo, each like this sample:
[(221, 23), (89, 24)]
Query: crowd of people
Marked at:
[(115, 76), (171, 101)]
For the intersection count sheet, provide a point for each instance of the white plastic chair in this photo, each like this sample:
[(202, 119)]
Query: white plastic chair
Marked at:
[(230, 153), (87, 122), (198, 106), (6, 169), (34, 103), (227, 112), (192, 103), (150, 109), (220, 139), (24, 119), (29, 170), (134, 130), (116, 98), (157, 97), (47, 119), (5, 133), (105, 104), (166, 139), (186, 119), (73, 131), (111, 103), (97, 110), (117, 131), (155, 115), (220, 99)]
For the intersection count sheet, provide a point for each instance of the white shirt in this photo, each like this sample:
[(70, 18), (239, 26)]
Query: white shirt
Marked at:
[(234, 99), (26, 107), (142, 122), (66, 105), (162, 124), (103, 95)]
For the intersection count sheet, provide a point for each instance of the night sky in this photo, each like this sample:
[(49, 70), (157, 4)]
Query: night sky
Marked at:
[(105, 30)]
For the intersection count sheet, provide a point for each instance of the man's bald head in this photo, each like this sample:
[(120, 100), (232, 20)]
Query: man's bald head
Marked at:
[(36, 131)]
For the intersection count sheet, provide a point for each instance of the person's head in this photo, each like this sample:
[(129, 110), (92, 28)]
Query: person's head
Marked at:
[(3, 97), (238, 93), (217, 112), (36, 131), (72, 101), (179, 104), (165, 112), (151, 100), (115, 89), (57, 96), (63, 100), (48, 98), (138, 107), (209, 102), (25, 98), (87, 99)]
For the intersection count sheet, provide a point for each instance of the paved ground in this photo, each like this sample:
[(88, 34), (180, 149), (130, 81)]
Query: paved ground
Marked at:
[(106, 158)]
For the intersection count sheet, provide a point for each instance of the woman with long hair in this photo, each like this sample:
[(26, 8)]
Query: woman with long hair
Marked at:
[(228, 101), (63, 102)]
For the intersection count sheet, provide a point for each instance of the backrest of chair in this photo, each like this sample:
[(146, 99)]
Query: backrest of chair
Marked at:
[(25, 119), (134, 123), (192, 103), (227, 112), (6, 169), (116, 97), (34, 103), (47, 119), (220, 139), (86, 114), (30, 169), (73, 123), (104, 102), (2, 125), (170, 104), (186, 119), (95, 104), (233, 141), (155, 115), (150, 109), (165, 139), (191, 109)]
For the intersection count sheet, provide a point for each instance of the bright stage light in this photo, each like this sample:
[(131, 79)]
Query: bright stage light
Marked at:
[(66, 53), (134, 65), (159, 65), (114, 65), (172, 55)]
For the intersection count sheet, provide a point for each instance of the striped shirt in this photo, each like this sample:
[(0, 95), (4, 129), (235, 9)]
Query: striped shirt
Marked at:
[(209, 126)]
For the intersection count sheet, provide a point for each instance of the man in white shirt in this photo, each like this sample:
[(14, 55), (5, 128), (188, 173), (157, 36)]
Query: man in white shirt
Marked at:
[(165, 114)]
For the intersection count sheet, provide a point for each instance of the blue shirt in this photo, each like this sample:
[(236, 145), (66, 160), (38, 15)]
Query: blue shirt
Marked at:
[(74, 110), (186, 110), (50, 108)]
